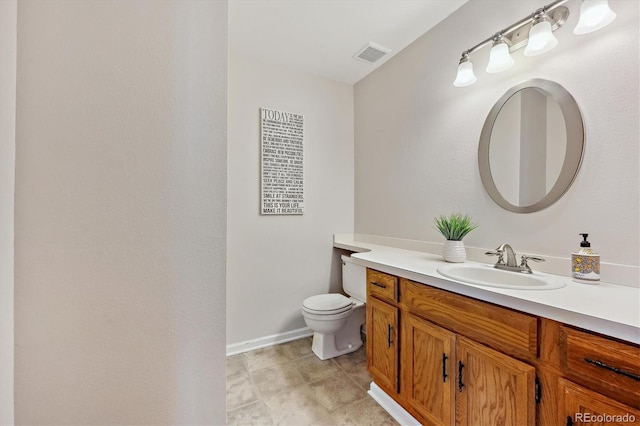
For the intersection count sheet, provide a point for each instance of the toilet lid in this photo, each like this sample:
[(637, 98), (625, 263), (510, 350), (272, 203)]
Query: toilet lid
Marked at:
[(327, 303)]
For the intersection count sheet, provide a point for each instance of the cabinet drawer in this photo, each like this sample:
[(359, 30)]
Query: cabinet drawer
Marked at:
[(584, 406), (508, 331), (382, 286), (604, 364)]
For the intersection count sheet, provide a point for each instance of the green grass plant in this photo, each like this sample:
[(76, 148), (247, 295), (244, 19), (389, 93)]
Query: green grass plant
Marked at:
[(455, 226)]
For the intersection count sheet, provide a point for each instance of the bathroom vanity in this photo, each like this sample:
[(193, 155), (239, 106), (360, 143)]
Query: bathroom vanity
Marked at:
[(449, 353)]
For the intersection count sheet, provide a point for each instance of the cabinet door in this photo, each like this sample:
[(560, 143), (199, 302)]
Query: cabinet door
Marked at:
[(382, 343), (579, 406), (427, 376), (492, 388)]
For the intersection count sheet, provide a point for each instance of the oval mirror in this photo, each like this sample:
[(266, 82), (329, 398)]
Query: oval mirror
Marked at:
[(531, 146)]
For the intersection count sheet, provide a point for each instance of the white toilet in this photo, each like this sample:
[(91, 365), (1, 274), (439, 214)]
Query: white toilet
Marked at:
[(336, 319)]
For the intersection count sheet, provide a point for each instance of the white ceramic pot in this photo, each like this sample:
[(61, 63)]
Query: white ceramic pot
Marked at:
[(454, 251)]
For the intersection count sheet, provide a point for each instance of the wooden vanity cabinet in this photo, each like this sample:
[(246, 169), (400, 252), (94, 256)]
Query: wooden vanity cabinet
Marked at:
[(428, 376), (451, 370), (579, 405), (601, 363), (447, 378), (511, 332), (382, 321), (494, 389), (451, 359), (382, 343), (587, 374)]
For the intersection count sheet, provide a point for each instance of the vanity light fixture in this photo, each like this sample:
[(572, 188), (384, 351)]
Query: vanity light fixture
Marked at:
[(541, 39), (499, 57), (536, 33), (594, 14), (465, 76)]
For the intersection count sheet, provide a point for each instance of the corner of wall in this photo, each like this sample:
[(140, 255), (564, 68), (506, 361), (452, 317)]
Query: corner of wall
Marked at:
[(8, 59)]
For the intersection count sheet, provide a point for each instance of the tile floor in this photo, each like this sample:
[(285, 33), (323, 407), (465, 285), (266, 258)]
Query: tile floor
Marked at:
[(288, 385)]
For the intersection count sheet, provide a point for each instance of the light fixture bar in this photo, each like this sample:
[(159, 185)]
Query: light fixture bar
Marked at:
[(517, 39), (536, 33), (545, 20)]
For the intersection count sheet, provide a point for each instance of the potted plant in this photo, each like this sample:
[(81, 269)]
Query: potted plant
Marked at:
[(454, 228)]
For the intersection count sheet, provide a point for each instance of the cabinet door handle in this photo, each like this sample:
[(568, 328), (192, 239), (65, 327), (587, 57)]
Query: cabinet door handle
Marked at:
[(378, 284), (444, 367), (460, 384), (614, 369), (389, 329)]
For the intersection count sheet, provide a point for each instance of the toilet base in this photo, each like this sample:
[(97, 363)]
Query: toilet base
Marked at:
[(347, 340), (324, 346)]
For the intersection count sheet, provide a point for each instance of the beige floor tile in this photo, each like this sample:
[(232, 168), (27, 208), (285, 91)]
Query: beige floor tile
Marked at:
[(265, 357), (296, 348), (313, 369), (336, 392), (240, 391), (355, 364), (288, 385), (235, 365), (253, 414), (363, 412), (354, 360), (297, 407), (273, 380), (361, 376)]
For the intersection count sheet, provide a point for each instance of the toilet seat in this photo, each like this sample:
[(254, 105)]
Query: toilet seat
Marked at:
[(327, 304)]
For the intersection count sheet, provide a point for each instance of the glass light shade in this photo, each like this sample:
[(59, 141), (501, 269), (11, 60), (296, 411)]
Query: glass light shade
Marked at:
[(594, 14), (465, 75), (541, 39), (499, 58)]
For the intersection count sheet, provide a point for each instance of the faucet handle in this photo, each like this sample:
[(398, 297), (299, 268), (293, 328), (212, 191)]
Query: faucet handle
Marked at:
[(497, 252), (525, 258)]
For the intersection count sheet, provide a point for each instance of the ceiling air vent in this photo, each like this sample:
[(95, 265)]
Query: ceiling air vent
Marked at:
[(371, 53)]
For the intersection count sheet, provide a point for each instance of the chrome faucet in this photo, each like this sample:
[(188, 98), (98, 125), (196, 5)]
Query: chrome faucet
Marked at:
[(511, 263)]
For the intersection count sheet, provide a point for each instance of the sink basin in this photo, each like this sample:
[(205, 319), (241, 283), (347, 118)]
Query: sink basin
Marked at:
[(487, 275)]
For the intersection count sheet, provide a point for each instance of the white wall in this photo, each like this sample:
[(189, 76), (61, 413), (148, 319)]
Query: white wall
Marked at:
[(416, 136), (120, 212), (8, 54), (274, 262)]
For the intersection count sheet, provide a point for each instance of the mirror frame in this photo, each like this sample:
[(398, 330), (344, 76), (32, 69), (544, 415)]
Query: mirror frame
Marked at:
[(574, 126)]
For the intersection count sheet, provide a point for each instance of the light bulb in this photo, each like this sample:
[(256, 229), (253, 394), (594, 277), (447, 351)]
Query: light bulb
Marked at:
[(465, 75), (499, 58), (541, 39), (594, 14)]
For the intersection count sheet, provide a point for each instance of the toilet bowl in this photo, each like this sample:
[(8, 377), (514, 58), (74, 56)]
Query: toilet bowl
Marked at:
[(336, 319)]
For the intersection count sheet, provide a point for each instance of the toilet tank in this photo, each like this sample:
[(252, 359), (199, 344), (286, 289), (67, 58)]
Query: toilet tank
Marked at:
[(354, 279)]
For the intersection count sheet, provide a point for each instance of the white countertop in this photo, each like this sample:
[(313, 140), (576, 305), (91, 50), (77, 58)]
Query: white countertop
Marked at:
[(610, 309)]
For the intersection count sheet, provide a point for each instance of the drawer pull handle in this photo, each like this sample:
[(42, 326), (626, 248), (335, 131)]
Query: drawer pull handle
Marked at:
[(460, 384), (389, 329), (614, 369), (444, 368), (378, 284)]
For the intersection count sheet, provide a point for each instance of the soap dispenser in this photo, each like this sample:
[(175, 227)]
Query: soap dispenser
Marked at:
[(585, 263)]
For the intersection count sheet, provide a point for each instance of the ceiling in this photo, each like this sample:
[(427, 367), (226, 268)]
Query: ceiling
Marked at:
[(322, 36)]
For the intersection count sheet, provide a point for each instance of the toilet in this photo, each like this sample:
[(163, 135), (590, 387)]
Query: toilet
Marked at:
[(336, 319)]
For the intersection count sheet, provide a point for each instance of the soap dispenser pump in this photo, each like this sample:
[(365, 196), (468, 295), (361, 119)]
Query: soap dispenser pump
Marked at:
[(585, 263)]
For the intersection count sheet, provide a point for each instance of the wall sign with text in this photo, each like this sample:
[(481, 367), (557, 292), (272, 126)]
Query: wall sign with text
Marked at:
[(282, 175)]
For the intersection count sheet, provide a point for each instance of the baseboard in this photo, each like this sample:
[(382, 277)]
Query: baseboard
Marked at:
[(263, 342), (401, 415)]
